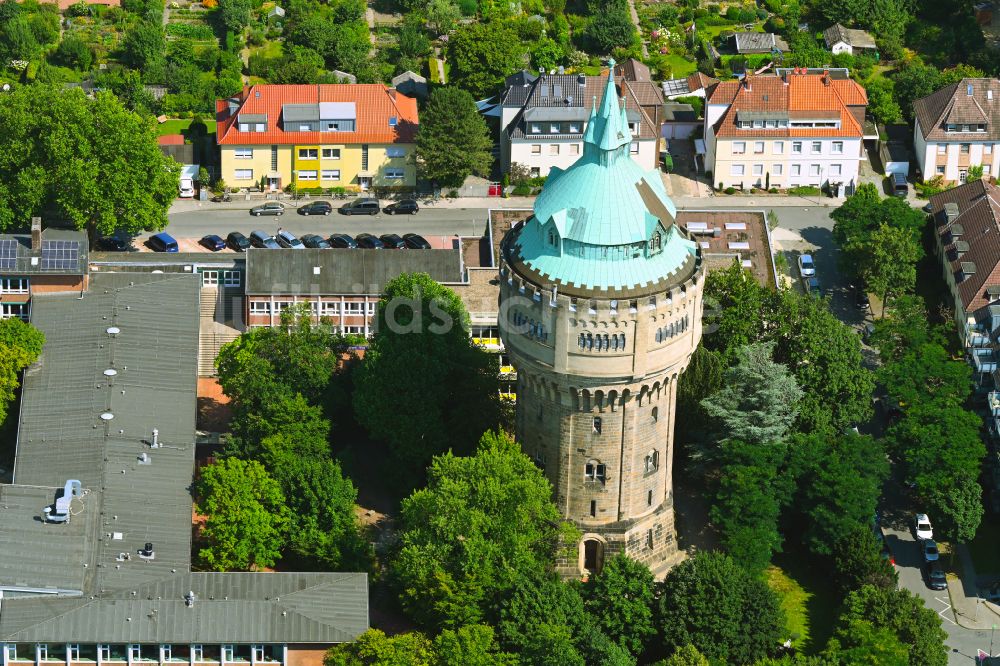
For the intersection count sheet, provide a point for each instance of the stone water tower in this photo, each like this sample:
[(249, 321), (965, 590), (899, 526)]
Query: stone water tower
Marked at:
[(600, 311)]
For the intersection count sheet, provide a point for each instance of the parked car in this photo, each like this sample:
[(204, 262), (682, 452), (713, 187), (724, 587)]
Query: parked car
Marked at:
[(806, 266), (392, 242), (360, 206), (343, 241), (900, 187), (162, 242), (237, 241), (263, 239), (270, 208), (213, 242), (416, 242), (314, 241), (289, 240), (812, 286), (922, 526), (929, 550), (187, 188), (316, 208), (936, 580), (114, 243), (368, 242), (403, 206), (861, 297)]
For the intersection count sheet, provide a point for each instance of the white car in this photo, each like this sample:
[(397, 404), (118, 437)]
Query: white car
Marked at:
[(806, 266), (187, 188), (923, 527)]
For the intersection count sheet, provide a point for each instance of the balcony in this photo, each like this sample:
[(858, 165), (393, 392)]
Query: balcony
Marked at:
[(983, 360), (993, 403), (976, 337)]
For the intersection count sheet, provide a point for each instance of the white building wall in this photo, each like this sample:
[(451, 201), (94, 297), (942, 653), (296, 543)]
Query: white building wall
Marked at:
[(842, 47), (521, 153), (813, 168)]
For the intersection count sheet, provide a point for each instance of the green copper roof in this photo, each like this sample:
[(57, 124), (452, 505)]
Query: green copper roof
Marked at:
[(604, 223)]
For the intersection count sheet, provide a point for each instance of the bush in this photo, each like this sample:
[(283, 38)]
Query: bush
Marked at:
[(773, 190), (522, 190), (730, 190), (929, 188), (804, 191)]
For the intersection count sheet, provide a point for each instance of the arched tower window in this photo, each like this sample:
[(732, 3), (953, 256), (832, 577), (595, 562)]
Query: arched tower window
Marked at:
[(655, 242), (655, 414), (598, 425)]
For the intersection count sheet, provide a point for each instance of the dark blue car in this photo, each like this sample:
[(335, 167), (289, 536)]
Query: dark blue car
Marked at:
[(213, 242), (162, 242)]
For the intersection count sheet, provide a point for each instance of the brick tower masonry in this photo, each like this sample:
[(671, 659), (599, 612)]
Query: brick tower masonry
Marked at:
[(600, 311)]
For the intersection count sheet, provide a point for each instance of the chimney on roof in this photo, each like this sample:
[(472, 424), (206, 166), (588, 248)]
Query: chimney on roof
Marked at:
[(826, 77), (36, 234), (746, 82), (391, 92)]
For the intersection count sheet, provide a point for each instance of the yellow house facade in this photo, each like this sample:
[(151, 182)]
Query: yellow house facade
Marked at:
[(355, 137), (319, 165)]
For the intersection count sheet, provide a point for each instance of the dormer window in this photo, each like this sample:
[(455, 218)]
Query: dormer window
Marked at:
[(655, 242), (536, 128), (950, 127), (393, 121), (553, 239)]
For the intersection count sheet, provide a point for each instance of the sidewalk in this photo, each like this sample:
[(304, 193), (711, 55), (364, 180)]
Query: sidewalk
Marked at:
[(971, 612)]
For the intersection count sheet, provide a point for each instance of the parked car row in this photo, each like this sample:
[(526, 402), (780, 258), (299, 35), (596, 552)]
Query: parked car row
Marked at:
[(285, 239), (359, 206)]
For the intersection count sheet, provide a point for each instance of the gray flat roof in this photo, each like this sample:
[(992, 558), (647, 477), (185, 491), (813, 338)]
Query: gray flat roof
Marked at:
[(84, 581), (62, 435), (228, 608), (297, 112), (343, 272)]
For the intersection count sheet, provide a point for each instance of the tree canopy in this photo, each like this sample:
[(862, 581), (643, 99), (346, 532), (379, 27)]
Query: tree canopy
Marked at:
[(100, 167), (453, 141), (482, 523), (20, 346), (721, 609), (482, 54), (246, 516), (423, 368)]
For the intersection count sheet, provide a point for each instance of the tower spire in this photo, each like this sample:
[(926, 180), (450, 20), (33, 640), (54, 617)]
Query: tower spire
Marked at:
[(608, 128)]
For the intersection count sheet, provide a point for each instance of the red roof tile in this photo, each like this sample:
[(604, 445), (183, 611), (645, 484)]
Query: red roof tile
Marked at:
[(794, 93), (375, 105)]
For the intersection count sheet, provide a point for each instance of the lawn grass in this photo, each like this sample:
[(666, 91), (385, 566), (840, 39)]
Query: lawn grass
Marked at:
[(985, 548), (270, 49), (181, 126), (807, 598), (679, 67)]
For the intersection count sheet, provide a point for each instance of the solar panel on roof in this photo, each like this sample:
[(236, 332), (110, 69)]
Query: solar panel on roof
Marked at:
[(60, 255), (8, 254)]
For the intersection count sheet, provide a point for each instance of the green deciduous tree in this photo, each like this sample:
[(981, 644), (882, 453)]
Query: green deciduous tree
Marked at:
[(453, 141), (748, 502), (912, 81), (472, 645), (758, 401), (374, 648), (859, 641), (235, 14), (20, 346), (702, 377), (483, 523), (92, 177), (423, 369), (482, 54), (725, 612), (858, 561), (246, 516), (442, 15), (611, 29), (687, 655), (143, 48), (621, 599), (927, 373), (74, 52), (889, 262), (839, 479), (958, 509), (901, 613), (735, 310)]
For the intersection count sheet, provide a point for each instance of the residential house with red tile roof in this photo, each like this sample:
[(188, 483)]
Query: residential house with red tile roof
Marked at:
[(355, 136), (801, 127), (958, 127), (967, 222)]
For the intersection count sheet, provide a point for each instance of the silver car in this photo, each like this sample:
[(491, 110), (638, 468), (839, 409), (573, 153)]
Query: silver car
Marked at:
[(288, 239), (270, 208)]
